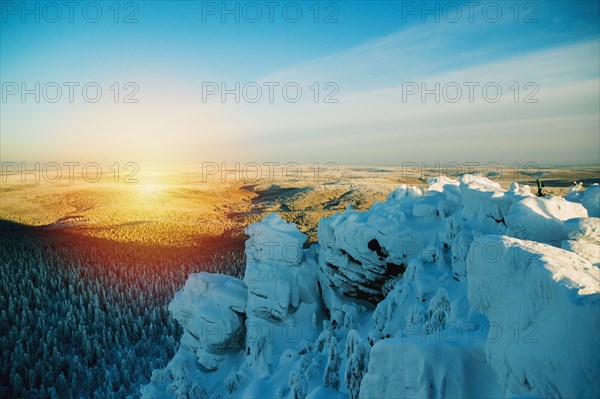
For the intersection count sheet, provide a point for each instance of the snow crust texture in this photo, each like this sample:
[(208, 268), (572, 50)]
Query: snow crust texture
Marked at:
[(461, 290)]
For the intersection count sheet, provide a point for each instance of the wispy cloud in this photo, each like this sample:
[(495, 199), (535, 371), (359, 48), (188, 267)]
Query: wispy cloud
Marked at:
[(380, 124), (555, 61)]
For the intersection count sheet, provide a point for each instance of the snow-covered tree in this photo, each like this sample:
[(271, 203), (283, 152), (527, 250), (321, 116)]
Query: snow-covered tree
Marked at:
[(69, 313), (298, 384), (357, 353), (438, 311), (331, 378)]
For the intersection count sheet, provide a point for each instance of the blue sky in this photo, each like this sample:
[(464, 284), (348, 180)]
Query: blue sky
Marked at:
[(369, 53)]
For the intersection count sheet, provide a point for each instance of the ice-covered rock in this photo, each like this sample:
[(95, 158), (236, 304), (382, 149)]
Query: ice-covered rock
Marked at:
[(591, 200), (274, 241), (276, 277), (359, 253), (544, 304), (542, 219), (362, 255), (432, 293), (586, 229), (211, 307), (583, 238), (442, 184), (484, 203), (282, 293), (400, 369), (517, 189)]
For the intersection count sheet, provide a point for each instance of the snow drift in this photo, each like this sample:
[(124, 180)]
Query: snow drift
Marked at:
[(461, 290)]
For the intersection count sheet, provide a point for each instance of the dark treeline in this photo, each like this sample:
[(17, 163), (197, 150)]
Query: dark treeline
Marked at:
[(84, 317)]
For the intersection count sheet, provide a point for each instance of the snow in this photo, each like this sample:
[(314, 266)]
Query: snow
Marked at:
[(587, 229), (587, 250), (547, 323), (583, 238), (461, 290), (542, 219), (591, 200), (210, 308), (275, 241), (400, 369), (276, 276)]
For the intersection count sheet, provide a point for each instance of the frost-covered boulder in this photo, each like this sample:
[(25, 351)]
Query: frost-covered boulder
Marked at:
[(399, 369), (586, 229), (484, 204), (591, 200), (211, 307), (544, 304), (443, 184), (283, 295), (276, 276), (541, 219), (583, 238), (275, 242), (360, 253), (517, 189)]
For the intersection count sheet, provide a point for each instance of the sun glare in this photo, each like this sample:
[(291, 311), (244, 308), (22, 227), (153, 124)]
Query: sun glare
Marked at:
[(150, 189)]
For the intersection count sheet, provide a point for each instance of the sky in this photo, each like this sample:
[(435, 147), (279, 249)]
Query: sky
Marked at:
[(366, 82)]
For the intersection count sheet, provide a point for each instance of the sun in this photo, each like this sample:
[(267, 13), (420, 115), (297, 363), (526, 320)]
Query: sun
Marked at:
[(150, 189)]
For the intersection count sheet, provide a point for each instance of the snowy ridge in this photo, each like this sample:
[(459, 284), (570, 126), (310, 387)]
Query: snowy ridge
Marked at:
[(465, 290)]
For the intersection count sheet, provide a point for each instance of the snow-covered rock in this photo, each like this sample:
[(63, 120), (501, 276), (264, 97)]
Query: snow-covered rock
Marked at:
[(362, 255), (583, 238), (484, 203), (276, 277), (274, 241), (400, 369), (210, 307), (460, 290), (587, 229), (544, 305), (542, 218), (591, 200)]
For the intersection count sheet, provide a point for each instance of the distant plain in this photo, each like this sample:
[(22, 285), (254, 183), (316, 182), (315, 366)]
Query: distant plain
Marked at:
[(181, 207)]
